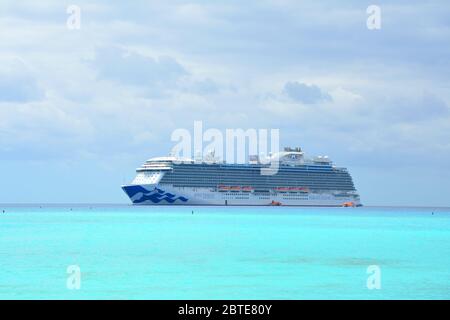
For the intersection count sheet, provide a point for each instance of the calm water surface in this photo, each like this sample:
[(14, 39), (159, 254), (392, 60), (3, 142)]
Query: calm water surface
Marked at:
[(127, 252)]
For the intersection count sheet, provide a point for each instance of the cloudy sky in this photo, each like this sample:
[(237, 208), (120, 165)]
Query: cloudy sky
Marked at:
[(80, 109)]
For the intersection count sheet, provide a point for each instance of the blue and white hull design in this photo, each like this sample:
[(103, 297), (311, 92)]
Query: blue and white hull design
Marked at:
[(169, 195), (151, 194)]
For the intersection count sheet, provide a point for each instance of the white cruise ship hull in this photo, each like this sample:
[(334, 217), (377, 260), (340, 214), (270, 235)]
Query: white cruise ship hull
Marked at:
[(158, 194), (295, 182)]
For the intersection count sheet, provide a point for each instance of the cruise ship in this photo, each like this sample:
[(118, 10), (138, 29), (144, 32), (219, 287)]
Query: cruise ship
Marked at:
[(298, 181)]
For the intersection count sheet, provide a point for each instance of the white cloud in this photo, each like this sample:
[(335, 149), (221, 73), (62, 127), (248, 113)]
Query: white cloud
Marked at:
[(17, 82), (135, 69)]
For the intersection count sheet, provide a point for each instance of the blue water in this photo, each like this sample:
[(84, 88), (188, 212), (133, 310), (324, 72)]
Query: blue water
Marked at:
[(127, 252)]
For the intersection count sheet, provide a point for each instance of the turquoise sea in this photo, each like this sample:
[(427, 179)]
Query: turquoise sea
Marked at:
[(128, 252)]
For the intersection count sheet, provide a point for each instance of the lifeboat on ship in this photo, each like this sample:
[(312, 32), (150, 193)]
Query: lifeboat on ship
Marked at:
[(223, 188), (275, 203), (235, 188), (247, 189), (349, 204)]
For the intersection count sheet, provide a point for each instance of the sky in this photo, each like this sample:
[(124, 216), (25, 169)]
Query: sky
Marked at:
[(81, 109)]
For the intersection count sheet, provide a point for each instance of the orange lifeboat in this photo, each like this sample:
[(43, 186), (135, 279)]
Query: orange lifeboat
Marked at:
[(247, 189), (275, 203), (349, 204)]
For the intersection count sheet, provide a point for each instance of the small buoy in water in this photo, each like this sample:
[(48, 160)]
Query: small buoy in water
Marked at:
[(3, 211), (192, 211)]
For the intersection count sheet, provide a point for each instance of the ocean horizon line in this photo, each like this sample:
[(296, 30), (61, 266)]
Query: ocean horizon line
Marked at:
[(124, 204)]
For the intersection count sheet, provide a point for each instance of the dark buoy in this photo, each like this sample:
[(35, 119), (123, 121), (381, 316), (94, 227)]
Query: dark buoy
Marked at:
[(192, 211), (3, 211)]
